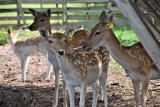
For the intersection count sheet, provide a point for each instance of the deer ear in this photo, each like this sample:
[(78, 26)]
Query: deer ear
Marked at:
[(33, 12), (9, 30), (49, 12), (44, 33), (111, 17), (103, 17)]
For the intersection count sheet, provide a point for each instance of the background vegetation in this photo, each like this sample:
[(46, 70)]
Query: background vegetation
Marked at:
[(125, 34)]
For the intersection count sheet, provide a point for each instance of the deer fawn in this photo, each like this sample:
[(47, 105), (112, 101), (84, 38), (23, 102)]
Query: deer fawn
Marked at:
[(134, 59), (79, 68), (42, 21), (75, 38), (25, 48)]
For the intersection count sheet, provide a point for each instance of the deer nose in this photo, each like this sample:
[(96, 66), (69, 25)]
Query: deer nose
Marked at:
[(30, 28), (83, 44), (61, 52)]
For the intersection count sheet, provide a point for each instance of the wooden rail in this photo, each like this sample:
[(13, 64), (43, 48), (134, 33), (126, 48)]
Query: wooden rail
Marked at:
[(71, 13)]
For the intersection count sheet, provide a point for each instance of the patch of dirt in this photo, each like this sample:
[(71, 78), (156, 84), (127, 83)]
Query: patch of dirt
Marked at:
[(37, 92)]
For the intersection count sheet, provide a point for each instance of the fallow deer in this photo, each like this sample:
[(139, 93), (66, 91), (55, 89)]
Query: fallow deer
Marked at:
[(134, 59), (42, 21), (79, 69), (75, 38), (23, 48)]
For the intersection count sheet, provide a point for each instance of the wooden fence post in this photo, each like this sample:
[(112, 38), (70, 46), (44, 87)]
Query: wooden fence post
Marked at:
[(20, 13), (64, 12), (141, 30)]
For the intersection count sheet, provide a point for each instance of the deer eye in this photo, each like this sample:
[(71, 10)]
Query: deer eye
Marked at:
[(97, 33), (50, 41), (42, 20)]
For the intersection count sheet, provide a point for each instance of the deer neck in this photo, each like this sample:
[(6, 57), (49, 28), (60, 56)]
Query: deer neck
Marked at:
[(117, 51), (48, 27)]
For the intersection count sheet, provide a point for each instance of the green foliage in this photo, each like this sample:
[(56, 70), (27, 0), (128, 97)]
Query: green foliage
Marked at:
[(26, 34), (3, 37), (126, 35)]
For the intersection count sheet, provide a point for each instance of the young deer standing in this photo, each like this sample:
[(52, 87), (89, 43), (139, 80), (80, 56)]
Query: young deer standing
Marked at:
[(25, 48), (75, 38), (42, 21), (79, 69), (135, 60)]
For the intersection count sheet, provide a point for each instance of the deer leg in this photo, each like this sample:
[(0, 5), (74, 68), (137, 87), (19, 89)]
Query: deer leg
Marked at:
[(71, 95), (82, 94), (136, 86), (49, 70), (64, 94), (100, 93), (95, 88), (144, 90), (57, 73), (24, 62), (102, 81)]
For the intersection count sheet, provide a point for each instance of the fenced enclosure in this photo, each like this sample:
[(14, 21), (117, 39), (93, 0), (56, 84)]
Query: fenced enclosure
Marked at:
[(70, 13)]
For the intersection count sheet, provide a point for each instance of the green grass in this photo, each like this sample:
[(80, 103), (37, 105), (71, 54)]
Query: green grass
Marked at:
[(3, 37), (23, 34), (125, 35)]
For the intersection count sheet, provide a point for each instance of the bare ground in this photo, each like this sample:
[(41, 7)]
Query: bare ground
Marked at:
[(37, 92)]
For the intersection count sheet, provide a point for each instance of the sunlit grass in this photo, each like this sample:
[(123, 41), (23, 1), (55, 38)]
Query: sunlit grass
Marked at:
[(126, 35)]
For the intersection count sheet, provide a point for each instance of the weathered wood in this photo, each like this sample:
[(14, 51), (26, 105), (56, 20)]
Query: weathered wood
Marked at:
[(53, 10), (43, 1), (4, 2), (20, 11), (8, 10), (140, 29), (86, 1), (61, 13)]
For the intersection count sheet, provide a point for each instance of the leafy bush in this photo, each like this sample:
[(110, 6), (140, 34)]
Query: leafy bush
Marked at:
[(3, 37), (126, 35)]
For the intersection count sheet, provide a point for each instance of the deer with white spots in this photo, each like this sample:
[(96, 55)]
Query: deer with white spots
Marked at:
[(41, 21), (134, 59), (79, 69), (23, 48)]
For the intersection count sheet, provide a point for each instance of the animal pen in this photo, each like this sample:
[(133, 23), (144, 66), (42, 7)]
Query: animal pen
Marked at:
[(142, 15)]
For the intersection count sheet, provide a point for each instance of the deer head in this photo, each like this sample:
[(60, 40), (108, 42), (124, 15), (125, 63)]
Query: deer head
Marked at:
[(55, 43), (13, 36), (41, 20), (97, 37)]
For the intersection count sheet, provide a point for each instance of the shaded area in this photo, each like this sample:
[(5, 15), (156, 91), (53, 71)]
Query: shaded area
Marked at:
[(38, 92)]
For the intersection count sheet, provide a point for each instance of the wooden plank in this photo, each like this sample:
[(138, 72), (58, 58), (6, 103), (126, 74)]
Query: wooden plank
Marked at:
[(90, 17), (4, 2), (141, 30), (155, 32), (90, 10), (20, 10), (8, 25), (43, 1), (28, 18), (53, 10), (8, 18), (87, 1), (143, 4), (153, 10), (8, 10), (85, 11)]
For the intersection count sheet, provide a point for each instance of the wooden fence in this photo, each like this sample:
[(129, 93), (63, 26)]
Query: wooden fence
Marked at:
[(70, 13)]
